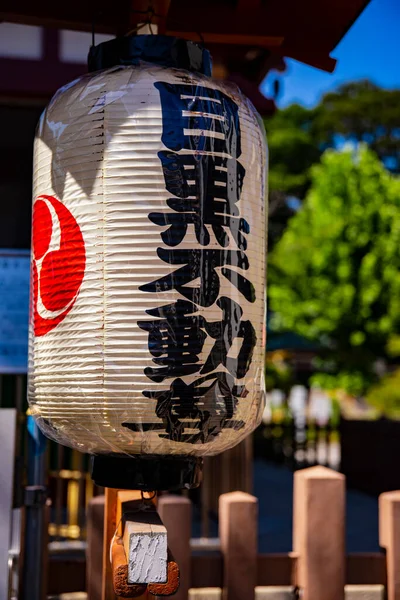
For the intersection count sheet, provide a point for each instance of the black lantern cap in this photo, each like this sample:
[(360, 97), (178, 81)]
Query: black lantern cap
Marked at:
[(147, 472), (161, 50)]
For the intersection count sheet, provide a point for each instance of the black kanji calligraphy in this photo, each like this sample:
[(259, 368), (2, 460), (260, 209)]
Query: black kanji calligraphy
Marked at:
[(175, 340), (207, 191), (211, 405), (224, 333), (201, 264), (201, 129), (199, 119)]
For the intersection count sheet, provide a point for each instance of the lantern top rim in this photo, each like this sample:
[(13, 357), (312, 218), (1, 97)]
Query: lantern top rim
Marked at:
[(162, 50)]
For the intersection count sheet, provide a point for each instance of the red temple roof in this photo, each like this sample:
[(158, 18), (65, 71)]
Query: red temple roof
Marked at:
[(307, 30)]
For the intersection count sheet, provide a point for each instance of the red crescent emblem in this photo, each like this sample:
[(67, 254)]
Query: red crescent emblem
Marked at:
[(58, 263)]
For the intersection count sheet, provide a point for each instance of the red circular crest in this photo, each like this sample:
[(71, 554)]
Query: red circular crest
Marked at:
[(58, 263)]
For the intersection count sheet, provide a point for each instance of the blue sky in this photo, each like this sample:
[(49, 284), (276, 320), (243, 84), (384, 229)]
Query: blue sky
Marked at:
[(370, 49)]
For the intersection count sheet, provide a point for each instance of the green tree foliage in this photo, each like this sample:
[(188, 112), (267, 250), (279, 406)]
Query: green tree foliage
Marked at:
[(297, 137), (385, 395), (361, 112), (292, 152), (334, 276)]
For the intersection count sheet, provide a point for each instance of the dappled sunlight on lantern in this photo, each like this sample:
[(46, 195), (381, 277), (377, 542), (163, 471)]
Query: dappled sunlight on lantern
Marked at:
[(148, 284)]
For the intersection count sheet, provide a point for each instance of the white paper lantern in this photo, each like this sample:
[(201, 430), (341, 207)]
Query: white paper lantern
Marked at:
[(149, 264)]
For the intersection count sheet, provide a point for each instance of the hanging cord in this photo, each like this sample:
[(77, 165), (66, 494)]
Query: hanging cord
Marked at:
[(151, 14), (149, 21)]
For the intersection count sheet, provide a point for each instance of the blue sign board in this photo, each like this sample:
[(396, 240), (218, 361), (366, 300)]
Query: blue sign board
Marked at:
[(14, 310)]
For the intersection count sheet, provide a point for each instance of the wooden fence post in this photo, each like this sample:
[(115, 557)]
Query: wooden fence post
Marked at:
[(389, 538), (319, 533), (176, 514), (110, 525), (94, 550), (238, 514)]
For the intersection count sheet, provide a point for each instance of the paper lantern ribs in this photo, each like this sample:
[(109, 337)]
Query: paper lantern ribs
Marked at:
[(148, 264)]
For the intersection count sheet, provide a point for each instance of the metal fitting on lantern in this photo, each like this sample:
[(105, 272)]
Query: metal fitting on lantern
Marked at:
[(162, 50)]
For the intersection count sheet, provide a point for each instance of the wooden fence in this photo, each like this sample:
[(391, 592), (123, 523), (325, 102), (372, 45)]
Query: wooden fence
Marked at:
[(317, 569), (290, 439), (316, 540)]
